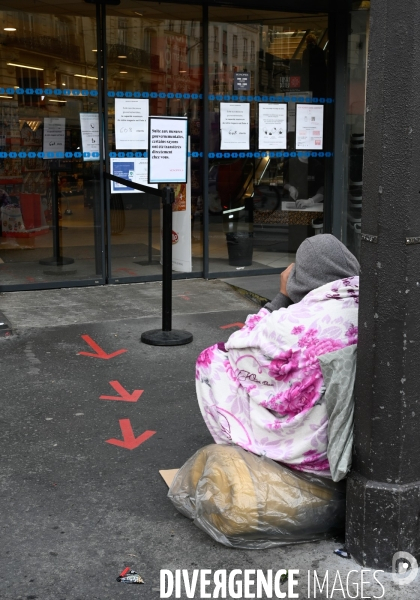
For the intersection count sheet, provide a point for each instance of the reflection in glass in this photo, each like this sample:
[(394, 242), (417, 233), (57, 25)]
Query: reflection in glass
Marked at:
[(159, 58), (262, 207), (49, 205)]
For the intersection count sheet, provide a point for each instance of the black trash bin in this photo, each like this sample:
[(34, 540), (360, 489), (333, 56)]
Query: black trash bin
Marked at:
[(240, 246)]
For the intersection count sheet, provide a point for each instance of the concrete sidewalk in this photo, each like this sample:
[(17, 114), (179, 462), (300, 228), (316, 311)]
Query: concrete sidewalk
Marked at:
[(78, 505)]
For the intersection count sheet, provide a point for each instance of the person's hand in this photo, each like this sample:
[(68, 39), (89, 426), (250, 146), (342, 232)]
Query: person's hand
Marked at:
[(293, 193), (304, 203), (284, 276)]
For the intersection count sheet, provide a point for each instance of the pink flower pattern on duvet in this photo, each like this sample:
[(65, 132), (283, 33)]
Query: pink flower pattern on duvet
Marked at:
[(263, 389)]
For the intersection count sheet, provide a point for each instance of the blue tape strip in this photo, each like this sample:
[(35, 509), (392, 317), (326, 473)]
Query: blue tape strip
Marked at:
[(211, 97), (138, 154)]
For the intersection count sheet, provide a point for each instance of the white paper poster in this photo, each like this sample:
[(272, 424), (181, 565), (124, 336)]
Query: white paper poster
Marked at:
[(309, 126), (272, 126), (54, 135), (131, 123), (89, 126), (234, 126), (133, 169), (168, 143)]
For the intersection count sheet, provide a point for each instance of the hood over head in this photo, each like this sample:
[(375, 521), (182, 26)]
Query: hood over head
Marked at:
[(320, 259)]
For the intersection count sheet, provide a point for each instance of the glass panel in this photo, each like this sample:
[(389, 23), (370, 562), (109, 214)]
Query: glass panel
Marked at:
[(268, 194), (155, 62), (357, 63), (50, 203)]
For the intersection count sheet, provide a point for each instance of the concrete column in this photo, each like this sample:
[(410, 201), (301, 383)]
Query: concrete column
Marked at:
[(384, 486)]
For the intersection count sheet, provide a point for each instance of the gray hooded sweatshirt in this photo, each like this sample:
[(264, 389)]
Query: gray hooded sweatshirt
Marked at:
[(320, 259)]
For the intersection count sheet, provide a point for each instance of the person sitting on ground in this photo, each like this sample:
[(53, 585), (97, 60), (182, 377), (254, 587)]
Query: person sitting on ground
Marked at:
[(263, 389)]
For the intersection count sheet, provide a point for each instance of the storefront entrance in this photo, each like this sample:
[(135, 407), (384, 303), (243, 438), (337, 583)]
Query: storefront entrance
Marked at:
[(77, 82)]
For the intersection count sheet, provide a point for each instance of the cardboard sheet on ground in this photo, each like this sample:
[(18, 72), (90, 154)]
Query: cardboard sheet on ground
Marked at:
[(168, 475)]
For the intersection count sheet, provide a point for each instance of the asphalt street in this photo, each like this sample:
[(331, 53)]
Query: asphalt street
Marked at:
[(83, 438)]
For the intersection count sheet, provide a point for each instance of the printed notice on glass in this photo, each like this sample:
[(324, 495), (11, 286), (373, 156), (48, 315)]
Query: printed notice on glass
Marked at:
[(309, 126), (133, 169), (168, 149), (272, 126), (89, 127), (234, 126), (54, 136), (131, 123)]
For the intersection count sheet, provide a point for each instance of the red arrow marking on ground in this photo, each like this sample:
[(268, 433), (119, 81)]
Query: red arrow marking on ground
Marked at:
[(123, 393), (240, 325), (98, 350), (129, 271), (130, 441)]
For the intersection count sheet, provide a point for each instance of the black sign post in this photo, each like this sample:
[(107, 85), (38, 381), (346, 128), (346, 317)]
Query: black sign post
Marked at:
[(57, 260), (165, 336)]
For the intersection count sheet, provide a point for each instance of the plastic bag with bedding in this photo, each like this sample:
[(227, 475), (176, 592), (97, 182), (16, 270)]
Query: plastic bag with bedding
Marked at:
[(247, 501)]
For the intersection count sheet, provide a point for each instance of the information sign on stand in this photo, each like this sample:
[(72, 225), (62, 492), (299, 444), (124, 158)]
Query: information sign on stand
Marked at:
[(54, 142), (168, 149), (168, 163)]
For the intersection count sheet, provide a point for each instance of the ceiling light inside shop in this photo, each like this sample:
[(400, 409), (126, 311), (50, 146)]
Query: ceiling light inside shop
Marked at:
[(183, 71), (8, 97), (61, 101), (122, 56), (94, 50), (10, 29), (138, 14), (24, 66), (123, 72), (85, 76)]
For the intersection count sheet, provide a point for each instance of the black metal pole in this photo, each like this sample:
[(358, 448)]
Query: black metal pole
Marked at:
[(383, 490), (98, 181), (167, 201), (54, 214), (167, 336), (206, 142), (57, 260), (149, 235)]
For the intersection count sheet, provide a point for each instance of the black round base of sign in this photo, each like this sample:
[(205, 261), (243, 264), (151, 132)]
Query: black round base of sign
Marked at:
[(158, 337)]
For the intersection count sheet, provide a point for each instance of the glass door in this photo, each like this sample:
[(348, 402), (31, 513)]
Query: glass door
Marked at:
[(50, 191), (154, 61), (270, 131)]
